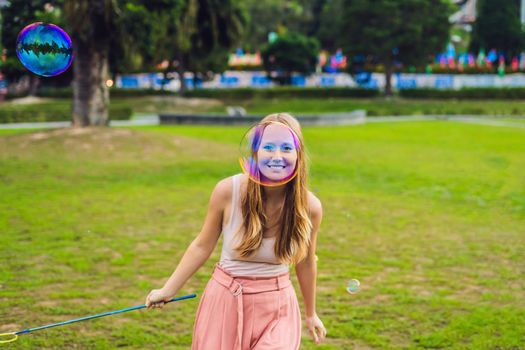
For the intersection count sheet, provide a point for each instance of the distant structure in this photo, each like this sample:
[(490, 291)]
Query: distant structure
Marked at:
[(467, 13)]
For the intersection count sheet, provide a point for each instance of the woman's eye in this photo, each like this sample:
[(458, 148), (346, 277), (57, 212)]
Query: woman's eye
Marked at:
[(268, 148), (287, 149)]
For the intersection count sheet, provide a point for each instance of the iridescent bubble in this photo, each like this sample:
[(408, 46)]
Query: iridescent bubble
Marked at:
[(269, 154), (44, 49), (353, 286)]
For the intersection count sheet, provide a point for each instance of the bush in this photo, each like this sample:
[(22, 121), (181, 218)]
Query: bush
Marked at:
[(68, 92), (291, 52), (282, 92), (465, 93), (48, 112)]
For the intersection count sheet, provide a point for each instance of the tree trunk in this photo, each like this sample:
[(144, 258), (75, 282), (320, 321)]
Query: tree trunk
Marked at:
[(388, 78), (195, 79), (180, 72), (90, 92), (34, 82)]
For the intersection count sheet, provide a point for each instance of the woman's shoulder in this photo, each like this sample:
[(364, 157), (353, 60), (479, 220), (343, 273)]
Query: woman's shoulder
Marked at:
[(224, 188), (314, 204)]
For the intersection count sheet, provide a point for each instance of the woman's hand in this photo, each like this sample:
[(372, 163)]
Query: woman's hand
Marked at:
[(157, 298), (316, 328)]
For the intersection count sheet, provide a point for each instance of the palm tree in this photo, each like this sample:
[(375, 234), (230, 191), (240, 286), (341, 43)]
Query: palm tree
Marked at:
[(195, 33)]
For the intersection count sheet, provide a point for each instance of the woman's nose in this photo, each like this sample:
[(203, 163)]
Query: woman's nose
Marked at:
[(278, 155)]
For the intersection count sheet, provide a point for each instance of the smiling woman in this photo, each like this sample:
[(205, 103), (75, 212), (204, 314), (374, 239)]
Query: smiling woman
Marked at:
[(269, 220), (270, 154), (277, 155)]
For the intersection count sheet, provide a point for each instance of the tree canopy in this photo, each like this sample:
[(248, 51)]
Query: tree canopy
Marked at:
[(404, 31), (498, 26), (291, 52)]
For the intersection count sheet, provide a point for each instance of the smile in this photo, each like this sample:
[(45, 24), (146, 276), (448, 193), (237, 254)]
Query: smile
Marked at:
[(276, 166)]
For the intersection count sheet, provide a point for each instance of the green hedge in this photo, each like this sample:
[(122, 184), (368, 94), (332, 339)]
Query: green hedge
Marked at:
[(68, 92), (47, 112), (465, 93), (282, 92)]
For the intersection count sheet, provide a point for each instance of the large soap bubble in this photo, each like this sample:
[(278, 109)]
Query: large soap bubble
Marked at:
[(44, 49), (269, 154)]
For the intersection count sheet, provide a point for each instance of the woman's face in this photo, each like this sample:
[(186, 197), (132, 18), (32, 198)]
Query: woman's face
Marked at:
[(277, 154)]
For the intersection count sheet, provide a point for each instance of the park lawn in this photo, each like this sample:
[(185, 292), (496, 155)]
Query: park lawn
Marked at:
[(429, 216)]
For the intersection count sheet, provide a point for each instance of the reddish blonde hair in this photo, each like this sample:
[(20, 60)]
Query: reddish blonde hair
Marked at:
[(291, 245)]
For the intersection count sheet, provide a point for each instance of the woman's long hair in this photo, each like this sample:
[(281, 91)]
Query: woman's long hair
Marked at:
[(295, 224)]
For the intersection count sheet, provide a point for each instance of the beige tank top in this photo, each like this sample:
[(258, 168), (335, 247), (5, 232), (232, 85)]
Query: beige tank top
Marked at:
[(263, 262)]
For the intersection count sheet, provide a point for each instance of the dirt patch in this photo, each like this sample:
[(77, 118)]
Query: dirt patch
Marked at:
[(49, 303), (97, 132), (28, 100), (187, 101), (9, 327), (106, 144)]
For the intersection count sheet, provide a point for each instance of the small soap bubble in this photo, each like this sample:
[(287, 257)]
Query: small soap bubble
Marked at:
[(269, 154), (44, 49), (353, 286)]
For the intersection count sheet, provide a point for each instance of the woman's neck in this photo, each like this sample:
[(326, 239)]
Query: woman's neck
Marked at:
[(274, 194)]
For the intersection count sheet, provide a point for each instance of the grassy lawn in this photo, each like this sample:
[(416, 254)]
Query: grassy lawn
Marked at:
[(429, 216)]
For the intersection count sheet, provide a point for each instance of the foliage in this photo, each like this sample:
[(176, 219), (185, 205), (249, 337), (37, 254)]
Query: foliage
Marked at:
[(291, 52), (113, 92), (219, 28), (281, 92), (277, 16), (329, 30), (14, 17), (498, 26), (404, 31), (48, 112), (466, 93)]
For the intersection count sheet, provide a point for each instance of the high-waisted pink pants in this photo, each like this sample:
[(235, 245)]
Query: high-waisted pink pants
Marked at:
[(247, 313)]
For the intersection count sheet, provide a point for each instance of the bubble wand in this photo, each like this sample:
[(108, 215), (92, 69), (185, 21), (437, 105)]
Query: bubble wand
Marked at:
[(14, 335)]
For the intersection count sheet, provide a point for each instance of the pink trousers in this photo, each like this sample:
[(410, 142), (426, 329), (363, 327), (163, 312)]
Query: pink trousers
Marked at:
[(241, 313)]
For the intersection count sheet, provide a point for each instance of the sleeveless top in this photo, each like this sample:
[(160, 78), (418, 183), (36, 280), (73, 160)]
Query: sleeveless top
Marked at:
[(263, 262)]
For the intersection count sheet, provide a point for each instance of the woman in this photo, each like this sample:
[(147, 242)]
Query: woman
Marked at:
[(269, 220)]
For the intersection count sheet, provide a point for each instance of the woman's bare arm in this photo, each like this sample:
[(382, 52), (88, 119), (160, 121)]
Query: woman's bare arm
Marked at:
[(306, 270), (203, 245)]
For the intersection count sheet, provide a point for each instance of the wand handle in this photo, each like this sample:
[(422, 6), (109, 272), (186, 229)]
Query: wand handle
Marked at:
[(89, 318)]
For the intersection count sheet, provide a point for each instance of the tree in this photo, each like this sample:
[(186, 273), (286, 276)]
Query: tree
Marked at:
[(219, 28), (198, 36), (498, 27), (91, 24), (15, 16), (265, 16), (328, 32), (290, 53), (406, 31)]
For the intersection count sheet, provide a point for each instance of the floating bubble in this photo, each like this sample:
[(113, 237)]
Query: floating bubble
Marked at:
[(269, 154), (353, 286), (44, 49)]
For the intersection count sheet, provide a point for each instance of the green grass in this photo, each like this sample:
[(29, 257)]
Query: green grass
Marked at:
[(382, 106), (429, 216)]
